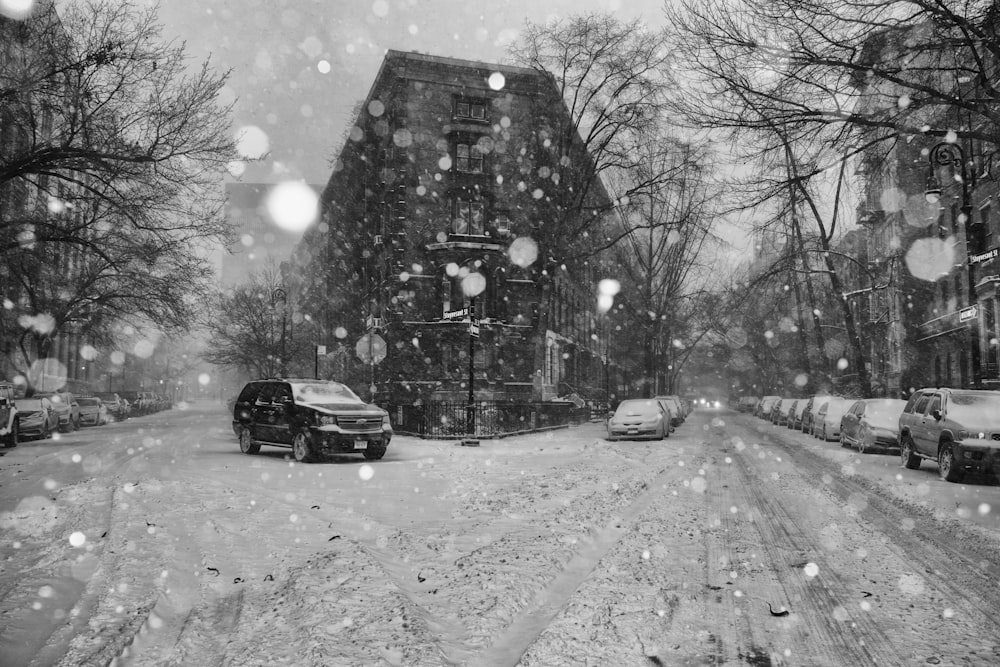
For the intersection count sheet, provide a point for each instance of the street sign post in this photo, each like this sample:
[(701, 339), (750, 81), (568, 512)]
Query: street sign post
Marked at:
[(970, 313)]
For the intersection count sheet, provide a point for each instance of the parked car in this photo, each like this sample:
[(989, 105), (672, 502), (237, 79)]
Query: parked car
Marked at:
[(65, 405), (115, 405), (958, 428), (92, 411), (676, 409), (826, 426), (779, 413), (313, 417), (747, 403), (795, 415), (639, 418), (872, 423), (812, 407), (9, 426), (764, 407), (37, 418)]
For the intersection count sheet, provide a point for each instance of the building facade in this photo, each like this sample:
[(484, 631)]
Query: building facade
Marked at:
[(426, 251)]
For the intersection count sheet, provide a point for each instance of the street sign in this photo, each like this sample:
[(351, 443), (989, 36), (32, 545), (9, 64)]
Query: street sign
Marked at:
[(371, 348), (474, 330), (969, 313), (992, 253), (320, 349), (461, 313)]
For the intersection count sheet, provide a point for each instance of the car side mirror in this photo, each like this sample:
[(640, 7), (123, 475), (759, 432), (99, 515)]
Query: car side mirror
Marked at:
[(936, 414)]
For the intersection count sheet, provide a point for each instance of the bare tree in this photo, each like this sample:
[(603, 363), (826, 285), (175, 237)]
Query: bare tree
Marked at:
[(248, 326), (610, 77), (664, 233), (110, 170)]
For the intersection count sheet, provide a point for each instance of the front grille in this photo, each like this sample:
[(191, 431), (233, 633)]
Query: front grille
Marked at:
[(358, 424)]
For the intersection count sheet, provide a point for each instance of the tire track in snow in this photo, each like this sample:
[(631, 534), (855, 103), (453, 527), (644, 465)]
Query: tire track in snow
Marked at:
[(509, 646)]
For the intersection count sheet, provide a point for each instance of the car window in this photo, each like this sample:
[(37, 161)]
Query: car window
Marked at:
[(282, 394), (922, 404), (249, 393), (266, 392), (910, 404), (934, 404)]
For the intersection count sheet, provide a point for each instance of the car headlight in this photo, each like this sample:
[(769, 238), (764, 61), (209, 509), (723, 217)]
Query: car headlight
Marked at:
[(385, 421), (325, 420)]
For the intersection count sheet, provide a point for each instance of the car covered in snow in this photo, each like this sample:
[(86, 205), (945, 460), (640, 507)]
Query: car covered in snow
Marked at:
[(872, 423), (315, 418), (959, 429), (65, 405), (638, 418), (37, 417), (93, 412)]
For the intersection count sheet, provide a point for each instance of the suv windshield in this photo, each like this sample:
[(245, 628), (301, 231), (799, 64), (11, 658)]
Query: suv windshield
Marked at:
[(974, 407), (325, 392)]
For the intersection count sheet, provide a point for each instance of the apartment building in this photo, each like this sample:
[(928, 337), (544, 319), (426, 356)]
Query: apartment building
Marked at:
[(429, 240)]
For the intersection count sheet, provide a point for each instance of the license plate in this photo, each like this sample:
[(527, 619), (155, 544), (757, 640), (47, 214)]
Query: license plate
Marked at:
[(633, 431), (360, 444)]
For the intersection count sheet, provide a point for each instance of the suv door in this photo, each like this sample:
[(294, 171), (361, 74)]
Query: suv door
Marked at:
[(262, 414), (282, 411), (924, 428)]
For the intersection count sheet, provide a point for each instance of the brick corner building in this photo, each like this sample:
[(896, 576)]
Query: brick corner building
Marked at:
[(435, 219)]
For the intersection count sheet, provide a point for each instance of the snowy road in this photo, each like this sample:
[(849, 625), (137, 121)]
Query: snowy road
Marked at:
[(155, 542)]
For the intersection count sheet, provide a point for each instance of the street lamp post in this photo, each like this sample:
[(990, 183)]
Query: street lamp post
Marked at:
[(280, 294), (470, 409), (946, 154)]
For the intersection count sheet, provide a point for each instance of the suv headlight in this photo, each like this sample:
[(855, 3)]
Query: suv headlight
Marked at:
[(385, 421), (325, 420)]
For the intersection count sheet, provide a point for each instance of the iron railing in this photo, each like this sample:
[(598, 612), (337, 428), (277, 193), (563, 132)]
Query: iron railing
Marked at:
[(439, 419)]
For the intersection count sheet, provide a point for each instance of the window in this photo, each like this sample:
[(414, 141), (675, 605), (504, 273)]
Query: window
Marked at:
[(471, 109), (468, 158), (468, 217)]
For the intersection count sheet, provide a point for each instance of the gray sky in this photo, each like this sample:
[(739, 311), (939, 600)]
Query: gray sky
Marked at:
[(279, 50)]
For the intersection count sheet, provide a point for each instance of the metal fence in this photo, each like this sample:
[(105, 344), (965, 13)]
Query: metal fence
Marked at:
[(436, 419)]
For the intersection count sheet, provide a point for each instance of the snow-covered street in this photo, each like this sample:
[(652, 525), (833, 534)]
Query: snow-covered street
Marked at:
[(156, 542)]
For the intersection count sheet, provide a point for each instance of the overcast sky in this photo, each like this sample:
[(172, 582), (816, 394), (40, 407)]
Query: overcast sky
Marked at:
[(300, 66)]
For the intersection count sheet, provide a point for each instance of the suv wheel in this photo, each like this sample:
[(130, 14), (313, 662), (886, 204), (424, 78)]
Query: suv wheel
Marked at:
[(906, 455), (302, 448), (947, 468), (247, 444)]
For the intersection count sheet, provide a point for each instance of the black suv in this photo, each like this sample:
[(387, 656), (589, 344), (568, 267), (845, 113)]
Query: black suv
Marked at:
[(313, 417), (958, 428)]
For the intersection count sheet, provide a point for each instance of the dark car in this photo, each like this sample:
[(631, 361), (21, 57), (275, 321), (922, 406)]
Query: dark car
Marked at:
[(958, 428), (313, 417), (872, 423)]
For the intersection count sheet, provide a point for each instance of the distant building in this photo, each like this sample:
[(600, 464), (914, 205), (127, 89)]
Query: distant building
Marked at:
[(442, 175)]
